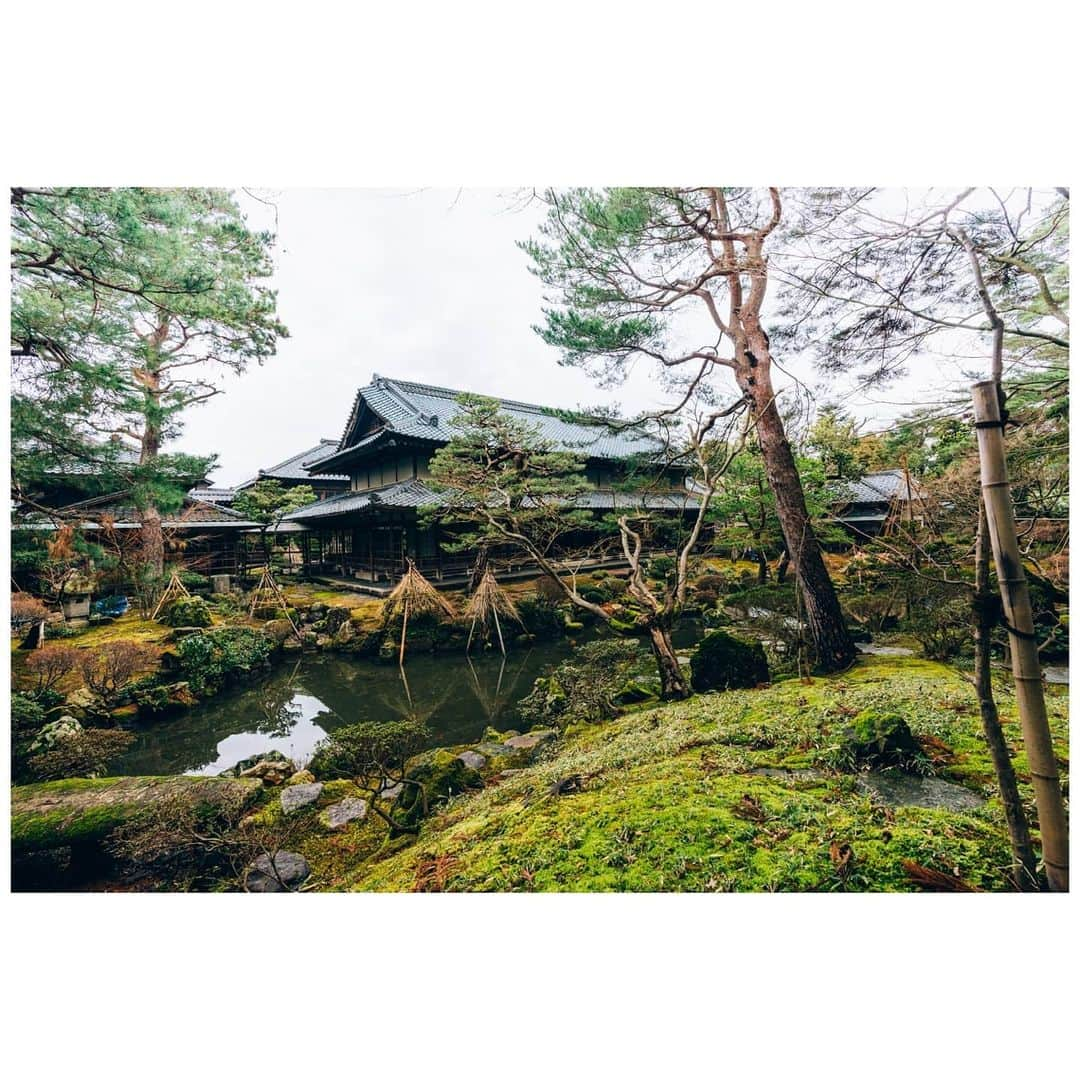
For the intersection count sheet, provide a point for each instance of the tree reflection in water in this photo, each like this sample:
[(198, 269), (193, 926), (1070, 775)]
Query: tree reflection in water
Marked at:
[(293, 708)]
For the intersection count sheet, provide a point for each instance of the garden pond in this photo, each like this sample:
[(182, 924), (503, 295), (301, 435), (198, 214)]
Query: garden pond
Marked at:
[(302, 700)]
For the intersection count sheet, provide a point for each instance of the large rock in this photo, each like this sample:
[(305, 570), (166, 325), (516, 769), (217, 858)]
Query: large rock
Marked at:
[(339, 815), (879, 739), (531, 739), (494, 749), (180, 695), (65, 812), (441, 777), (82, 703), (724, 662), (270, 771), (284, 873), (53, 732), (298, 796)]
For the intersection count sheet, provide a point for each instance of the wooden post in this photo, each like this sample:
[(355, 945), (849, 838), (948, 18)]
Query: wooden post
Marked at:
[(404, 627), (1016, 600)]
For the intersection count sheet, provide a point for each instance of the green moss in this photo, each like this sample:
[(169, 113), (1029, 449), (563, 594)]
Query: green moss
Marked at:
[(672, 800), (64, 812)]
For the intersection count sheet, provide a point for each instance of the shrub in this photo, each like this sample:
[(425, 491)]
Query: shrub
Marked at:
[(583, 687), (27, 719), (874, 611), (192, 580), (709, 588), (51, 664), (108, 669), (942, 627), (84, 754), (541, 617), (549, 591), (771, 597), (612, 587), (187, 611), (26, 609), (26, 714), (372, 748), (213, 658), (724, 662), (660, 567)]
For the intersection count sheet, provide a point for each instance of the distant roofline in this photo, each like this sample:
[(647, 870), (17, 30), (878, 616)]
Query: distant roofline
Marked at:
[(450, 392)]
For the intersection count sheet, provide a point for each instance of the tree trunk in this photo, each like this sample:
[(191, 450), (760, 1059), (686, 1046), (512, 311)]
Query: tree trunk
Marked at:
[(153, 544), (673, 685), (1016, 600), (782, 567), (985, 616), (762, 564), (835, 649), (151, 535)]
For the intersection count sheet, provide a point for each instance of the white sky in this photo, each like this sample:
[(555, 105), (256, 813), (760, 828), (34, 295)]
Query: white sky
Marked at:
[(425, 285)]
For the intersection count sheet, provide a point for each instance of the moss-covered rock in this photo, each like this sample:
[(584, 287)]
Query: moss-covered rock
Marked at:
[(878, 739), (187, 611), (442, 776), (724, 662), (62, 813)]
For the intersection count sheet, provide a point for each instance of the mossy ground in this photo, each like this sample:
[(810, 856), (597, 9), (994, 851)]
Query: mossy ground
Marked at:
[(670, 801), (129, 627)]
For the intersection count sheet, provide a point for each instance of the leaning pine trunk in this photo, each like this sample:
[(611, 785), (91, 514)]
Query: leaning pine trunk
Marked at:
[(835, 649), (673, 685), (1023, 854)]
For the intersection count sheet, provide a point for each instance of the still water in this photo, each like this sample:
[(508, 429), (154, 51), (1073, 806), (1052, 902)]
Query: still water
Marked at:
[(293, 708)]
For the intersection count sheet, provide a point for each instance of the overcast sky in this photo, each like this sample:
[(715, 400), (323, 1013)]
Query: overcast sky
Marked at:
[(424, 285)]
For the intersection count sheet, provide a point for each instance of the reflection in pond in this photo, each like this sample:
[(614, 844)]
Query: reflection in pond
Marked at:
[(296, 706)]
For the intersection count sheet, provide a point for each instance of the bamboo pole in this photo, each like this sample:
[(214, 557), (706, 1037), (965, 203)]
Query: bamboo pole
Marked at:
[(986, 616), (498, 630), (1016, 600), (404, 627)]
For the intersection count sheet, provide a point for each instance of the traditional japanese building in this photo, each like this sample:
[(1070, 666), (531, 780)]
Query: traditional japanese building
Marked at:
[(300, 469), (367, 532), (201, 535), (867, 506)]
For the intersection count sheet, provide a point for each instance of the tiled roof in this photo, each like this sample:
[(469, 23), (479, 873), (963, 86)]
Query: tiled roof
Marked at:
[(875, 487), (422, 411), (631, 500), (415, 493), (409, 493), (298, 466), (213, 495), (195, 512)]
